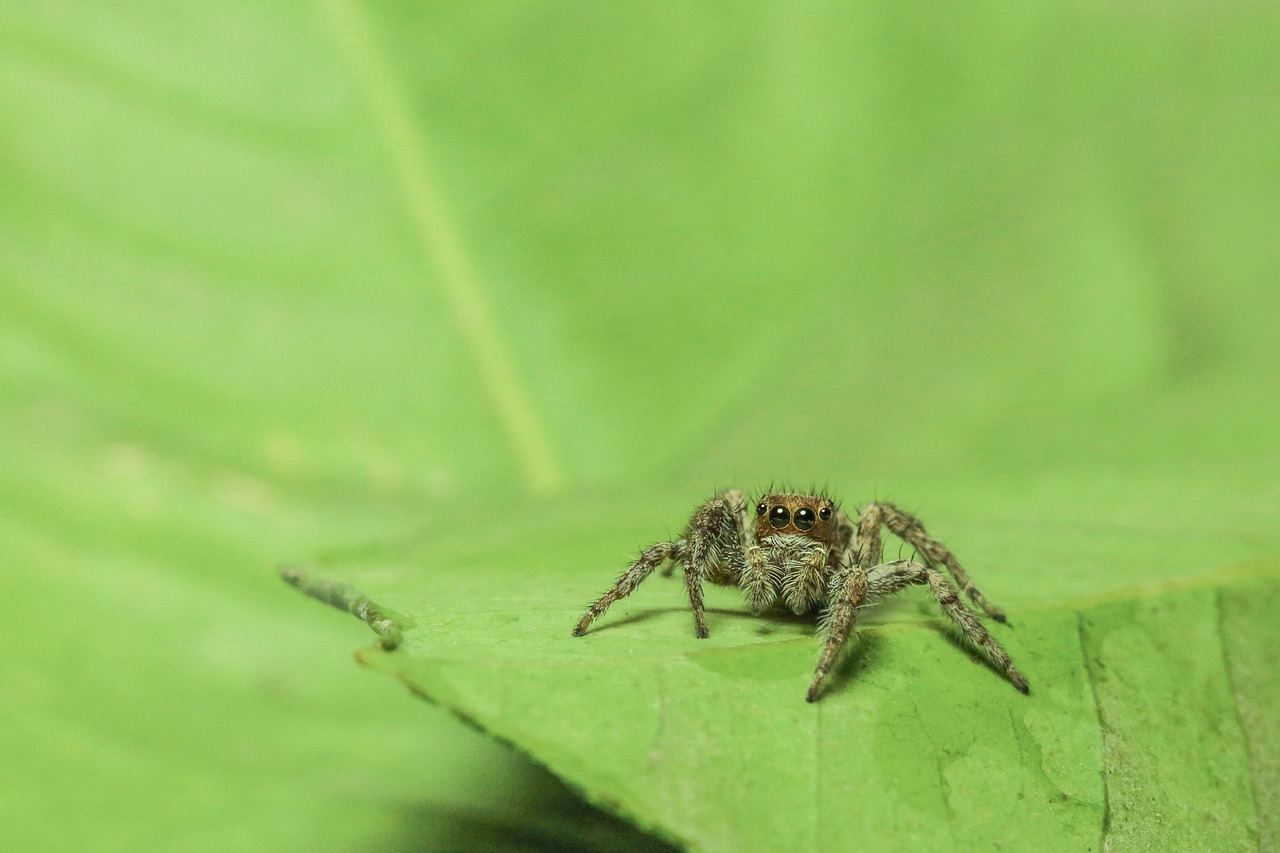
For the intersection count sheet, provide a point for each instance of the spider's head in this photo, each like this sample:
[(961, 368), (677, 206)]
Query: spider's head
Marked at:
[(811, 516)]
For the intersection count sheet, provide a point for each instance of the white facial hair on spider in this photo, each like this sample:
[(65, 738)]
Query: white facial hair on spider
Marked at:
[(790, 567), (803, 552)]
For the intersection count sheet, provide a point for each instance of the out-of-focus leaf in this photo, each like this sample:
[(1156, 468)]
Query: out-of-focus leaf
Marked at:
[(532, 280)]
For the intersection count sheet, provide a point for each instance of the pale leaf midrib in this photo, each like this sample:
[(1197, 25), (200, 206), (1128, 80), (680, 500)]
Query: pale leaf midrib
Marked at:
[(441, 243)]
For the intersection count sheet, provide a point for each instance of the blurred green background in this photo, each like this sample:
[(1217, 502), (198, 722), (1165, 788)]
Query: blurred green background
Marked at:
[(276, 278)]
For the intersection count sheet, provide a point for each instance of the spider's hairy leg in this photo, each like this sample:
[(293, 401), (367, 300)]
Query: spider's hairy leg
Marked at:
[(709, 548), (907, 527), (650, 558), (736, 503), (848, 589), (711, 545), (693, 584), (888, 578)]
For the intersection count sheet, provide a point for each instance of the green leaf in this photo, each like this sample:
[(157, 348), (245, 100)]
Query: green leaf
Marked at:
[(530, 281), (1138, 732)]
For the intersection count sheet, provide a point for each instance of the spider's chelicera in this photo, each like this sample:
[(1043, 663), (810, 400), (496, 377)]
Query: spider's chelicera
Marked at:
[(804, 553)]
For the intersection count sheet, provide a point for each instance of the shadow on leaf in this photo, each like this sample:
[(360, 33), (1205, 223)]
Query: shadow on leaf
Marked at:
[(541, 815)]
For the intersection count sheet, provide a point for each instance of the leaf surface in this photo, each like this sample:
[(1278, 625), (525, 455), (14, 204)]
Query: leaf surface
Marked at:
[(506, 290), (1136, 709)]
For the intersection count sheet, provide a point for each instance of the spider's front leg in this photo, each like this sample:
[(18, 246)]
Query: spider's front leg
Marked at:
[(888, 578), (711, 541), (847, 591), (870, 551), (650, 558)]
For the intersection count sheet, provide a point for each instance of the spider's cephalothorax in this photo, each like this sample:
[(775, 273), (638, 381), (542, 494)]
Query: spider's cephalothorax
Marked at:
[(802, 552), (788, 551)]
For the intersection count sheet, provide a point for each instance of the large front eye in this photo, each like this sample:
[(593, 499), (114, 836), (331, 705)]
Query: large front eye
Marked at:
[(760, 508), (779, 516), (805, 518)]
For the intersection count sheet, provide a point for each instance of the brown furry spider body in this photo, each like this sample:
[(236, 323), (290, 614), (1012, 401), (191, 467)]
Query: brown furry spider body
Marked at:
[(803, 552)]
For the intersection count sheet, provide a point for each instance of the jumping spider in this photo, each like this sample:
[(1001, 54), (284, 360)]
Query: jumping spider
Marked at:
[(803, 552)]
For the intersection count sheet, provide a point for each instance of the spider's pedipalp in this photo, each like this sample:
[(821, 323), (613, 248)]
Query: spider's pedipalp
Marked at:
[(759, 580), (804, 583)]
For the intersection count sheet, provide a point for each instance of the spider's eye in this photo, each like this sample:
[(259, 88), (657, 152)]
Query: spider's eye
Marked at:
[(779, 516), (805, 518), (825, 513), (760, 508)]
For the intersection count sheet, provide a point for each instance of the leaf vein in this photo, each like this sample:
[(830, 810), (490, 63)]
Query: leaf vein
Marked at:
[(441, 242)]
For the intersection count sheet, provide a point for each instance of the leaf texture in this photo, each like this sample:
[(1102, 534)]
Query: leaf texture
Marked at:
[(505, 290), (1137, 732)]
